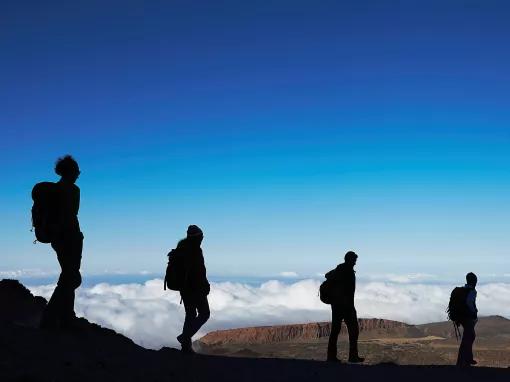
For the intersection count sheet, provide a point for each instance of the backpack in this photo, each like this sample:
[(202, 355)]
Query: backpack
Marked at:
[(330, 291), (175, 276), (45, 211), (325, 294), (457, 308)]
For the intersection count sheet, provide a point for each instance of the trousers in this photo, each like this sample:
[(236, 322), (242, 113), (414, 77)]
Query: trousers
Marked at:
[(465, 355), (196, 307), (340, 313), (60, 308)]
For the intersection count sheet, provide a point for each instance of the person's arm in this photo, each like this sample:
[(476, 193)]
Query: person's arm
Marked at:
[(198, 273), (77, 201), (471, 303), (75, 207), (474, 304)]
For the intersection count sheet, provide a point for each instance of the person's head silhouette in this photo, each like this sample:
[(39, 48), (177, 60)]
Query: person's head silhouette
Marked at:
[(351, 258), (195, 234), (471, 279), (67, 168)]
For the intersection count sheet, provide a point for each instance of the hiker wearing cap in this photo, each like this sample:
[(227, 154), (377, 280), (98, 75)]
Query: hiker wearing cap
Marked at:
[(195, 287), (468, 321), (343, 280)]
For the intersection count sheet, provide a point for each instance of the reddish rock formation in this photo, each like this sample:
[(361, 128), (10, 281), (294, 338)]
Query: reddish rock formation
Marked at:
[(297, 332)]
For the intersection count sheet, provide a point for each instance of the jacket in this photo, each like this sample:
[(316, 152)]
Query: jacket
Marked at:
[(344, 279), (196, 275), (68, 203)]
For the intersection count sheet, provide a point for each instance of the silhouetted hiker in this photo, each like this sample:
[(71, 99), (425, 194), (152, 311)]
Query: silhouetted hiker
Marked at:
[(187, 260), (462, 311), (338, 290), (66, 239)]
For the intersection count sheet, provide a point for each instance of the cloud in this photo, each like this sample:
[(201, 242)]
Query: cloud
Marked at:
[(289, 274), (403, 278), (26, 273), (153, 317)]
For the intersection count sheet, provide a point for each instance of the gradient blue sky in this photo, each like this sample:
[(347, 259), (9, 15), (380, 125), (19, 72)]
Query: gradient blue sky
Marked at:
[(291, 131)]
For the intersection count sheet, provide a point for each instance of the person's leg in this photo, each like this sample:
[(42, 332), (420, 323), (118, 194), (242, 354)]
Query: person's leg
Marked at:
[(469, 342), (203, 313), (202, 307), (71, 279), (336, 325), (351, 321), (465, 356), (461, 361), (51, 316), (192, 321), (190, 310)]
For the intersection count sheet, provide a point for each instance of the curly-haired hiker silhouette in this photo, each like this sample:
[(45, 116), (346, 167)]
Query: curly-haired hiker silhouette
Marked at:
[(468, 320), (66, 239), (342, 285), (195, 286)]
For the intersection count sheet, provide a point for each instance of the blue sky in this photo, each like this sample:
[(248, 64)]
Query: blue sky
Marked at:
[(290, 131)]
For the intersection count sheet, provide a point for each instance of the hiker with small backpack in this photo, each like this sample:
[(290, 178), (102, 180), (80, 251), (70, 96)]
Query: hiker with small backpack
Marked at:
[(463, 312), (55, 221), (338, 291), (186, 273)]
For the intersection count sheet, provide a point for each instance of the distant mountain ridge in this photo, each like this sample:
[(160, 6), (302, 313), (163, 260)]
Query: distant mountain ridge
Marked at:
[(488, 327), (298, 332), (495, 329)]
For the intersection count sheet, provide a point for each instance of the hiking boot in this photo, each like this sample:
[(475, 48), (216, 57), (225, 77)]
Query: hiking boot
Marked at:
[(473, 362), (181, 339), (356, 359), (187, 349), (333, 360), (185, 344)]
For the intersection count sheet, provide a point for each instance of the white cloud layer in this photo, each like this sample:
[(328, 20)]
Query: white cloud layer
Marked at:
[(153, 317), (26, 273), (403, 278), (289, 274)]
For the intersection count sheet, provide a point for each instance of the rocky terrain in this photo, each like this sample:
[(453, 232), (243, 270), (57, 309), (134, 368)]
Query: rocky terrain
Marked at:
[(381, 341), (92, 353), (301, 332)]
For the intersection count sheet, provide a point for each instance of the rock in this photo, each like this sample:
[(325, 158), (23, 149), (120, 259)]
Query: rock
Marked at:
[(18, 305), (296, 332)]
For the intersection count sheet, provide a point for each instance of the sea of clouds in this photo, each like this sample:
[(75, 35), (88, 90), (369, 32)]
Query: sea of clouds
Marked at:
[(153, 317)]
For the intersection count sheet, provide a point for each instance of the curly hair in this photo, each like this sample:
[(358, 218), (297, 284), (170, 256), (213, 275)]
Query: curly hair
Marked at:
[(66, 165)]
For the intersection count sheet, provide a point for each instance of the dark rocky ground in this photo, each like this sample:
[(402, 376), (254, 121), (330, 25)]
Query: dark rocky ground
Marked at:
[(92, 353)]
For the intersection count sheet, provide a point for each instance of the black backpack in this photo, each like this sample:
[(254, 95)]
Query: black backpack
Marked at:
[(457, 307), (175, 276), (45, 211), (325, 292), (330, 291)]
